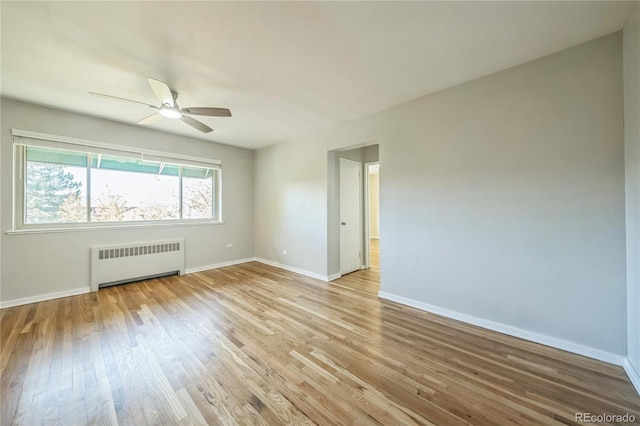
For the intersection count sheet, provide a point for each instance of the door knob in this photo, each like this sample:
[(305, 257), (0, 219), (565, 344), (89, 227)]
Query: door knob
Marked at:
[(344, 223)]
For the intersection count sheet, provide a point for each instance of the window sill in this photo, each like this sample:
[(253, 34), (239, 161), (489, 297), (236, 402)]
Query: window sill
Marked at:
[(108, 227)]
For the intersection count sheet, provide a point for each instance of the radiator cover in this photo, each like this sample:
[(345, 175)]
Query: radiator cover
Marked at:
[(117, 264)]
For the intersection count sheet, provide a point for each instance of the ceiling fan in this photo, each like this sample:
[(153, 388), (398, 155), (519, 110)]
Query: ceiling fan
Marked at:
[(169, 107)]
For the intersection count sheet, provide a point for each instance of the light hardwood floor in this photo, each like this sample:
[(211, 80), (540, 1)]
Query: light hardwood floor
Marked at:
[(253, 344)]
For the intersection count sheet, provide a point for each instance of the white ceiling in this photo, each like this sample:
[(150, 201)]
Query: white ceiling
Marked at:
[(283, 68)]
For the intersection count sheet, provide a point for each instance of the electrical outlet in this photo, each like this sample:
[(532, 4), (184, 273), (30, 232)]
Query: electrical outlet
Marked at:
[(284, 252), (229, 245)]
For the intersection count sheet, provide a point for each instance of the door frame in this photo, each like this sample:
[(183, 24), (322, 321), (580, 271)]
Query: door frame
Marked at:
[(367, 236), (333, 204)]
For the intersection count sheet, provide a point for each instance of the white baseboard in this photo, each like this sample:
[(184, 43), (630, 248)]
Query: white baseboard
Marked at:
[(334, 277), (293, 269), (43, 297), (219, 265), (509, 330), (633, 374)]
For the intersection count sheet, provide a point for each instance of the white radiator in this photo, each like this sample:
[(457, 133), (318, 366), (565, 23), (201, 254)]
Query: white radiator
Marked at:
[(122, 263)]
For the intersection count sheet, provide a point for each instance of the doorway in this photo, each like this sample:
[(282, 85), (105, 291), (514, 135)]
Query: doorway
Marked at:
[(346, 256), (372, 215)]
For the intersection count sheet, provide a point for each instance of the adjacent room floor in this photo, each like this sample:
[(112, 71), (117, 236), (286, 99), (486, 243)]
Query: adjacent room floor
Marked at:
[(253, 344)]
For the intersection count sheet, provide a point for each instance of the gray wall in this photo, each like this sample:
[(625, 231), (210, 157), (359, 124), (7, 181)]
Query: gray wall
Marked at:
[(502, 198), (290, 206), (36, 264), (631, 56)]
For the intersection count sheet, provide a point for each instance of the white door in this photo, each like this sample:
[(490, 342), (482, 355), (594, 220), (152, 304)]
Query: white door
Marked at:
[(350, 216)]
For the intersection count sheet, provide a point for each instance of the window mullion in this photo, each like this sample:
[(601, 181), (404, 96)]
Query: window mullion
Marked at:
[(23, 177), (214, 191), (89, 160), (217, 195), (180, 193)]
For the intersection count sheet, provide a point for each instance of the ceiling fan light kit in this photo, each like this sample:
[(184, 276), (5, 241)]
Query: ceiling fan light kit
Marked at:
[(170, 112), (169, 107)]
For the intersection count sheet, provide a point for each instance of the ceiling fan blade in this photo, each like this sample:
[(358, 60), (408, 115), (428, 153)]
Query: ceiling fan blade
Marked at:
[(211, 112), (150, 120), (120, 99), (162, 91), (196, 124)]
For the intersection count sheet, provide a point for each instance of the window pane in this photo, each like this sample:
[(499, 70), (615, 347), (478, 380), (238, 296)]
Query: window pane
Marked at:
[(124, 189), (55, 186), (197, 193)]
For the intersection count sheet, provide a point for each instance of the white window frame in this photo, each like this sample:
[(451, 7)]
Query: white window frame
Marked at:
[(24, 138)]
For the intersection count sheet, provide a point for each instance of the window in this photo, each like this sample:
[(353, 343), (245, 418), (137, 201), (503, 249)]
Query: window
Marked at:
[(62, 184)]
